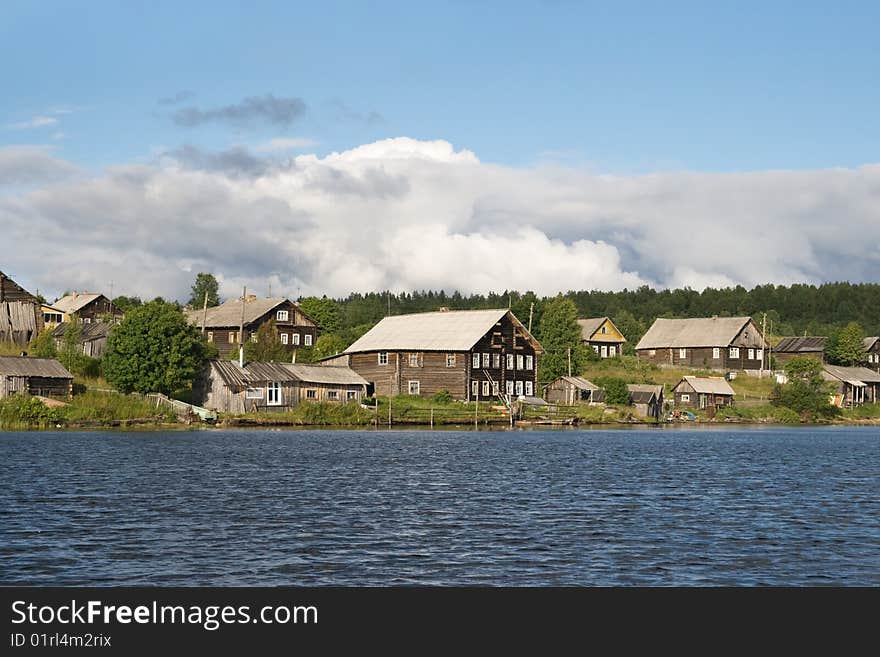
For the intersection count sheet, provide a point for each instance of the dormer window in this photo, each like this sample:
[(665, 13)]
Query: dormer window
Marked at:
[(281, 316)]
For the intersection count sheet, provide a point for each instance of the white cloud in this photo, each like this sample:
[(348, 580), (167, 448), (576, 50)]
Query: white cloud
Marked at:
[(281, 144), (407, 214), (36, 122)]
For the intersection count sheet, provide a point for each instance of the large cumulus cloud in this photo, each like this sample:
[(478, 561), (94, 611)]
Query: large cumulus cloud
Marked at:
[(406, 214)]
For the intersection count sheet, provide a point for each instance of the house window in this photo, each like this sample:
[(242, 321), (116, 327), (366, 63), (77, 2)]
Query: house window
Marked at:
[(273, 394), (414, 387), (685, 397), (295, 338), (508, 387), (734, 352), (475, 389), (281, 316), (519, 387), (682, 353), (87, 320), (760, 355), (308, 339), (510, 361), (604, 351), (486, 360), (530, 362), (450, 360), (413, 360), (383, 358), (254, 393), (475, 360), (311, 394), (232, 335), (596, 348), (520, 362), (351, 394), (716, 353), (210, 336), (751, 354), (529, 389), (652, 352), (603, 331), (333, 394), (485, 388), (495, 388), (253, 337), (612, 351), (284, 338)]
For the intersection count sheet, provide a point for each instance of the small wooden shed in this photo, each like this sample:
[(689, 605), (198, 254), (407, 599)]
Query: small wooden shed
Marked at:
[(34, 376), (647, 398), (570, 390)]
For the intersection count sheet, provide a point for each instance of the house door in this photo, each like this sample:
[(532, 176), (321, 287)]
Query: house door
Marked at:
[(703, 401)]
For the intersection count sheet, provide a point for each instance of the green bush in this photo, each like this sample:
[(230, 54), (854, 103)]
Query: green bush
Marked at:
[(786, 415), (27, 411), (442, 397)]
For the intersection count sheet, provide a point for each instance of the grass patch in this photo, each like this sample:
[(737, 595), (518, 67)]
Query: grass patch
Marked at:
[(866, 412)]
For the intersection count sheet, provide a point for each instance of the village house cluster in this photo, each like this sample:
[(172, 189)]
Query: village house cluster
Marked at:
[(473, 355)]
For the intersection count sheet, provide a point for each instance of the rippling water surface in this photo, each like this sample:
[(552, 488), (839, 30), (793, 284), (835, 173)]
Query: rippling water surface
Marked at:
[(651, 507)]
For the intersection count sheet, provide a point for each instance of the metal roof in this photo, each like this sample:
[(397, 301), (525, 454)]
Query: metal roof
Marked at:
[(93, 331), (580, 382), (712, 385), (848, 374), (589, 327), (454, 330), (801, 344), (228, 313), (259, 373), (73, 303), (326, 374), (643, 393), (699, 332), (868, 343), (47, 368)]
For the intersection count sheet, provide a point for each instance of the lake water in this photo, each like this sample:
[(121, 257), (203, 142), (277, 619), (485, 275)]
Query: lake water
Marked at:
[(797, 506)]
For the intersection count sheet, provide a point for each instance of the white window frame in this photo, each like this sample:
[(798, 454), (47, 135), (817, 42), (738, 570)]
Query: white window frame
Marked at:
[(603, 351), (351, 394), (475, 360), (254, 338), (284, 338), (475, 389), (508, 387), (232, 337), (530, 362), (518, 386), (520, 362), (510, 361), (254, 393), (413, 360), (734, 352), (308, 339), (311, 393), (612, 351), (495, 388), (450, 360), (683, 353), (716, 353), (595, 348), (273, 394), (382, 358), (333, 394), (485, 389), (414, 386), (487, 360), (759, 355), (282, 316), (210, 336), (294, 337), (751, 354), (496, 361), (685, 397)]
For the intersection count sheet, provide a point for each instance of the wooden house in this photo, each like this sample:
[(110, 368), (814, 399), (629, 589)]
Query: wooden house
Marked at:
[(854, 385), (602, 336), (21, 318), (224, 386), (472, 354), (89, 307), (92, 337), (703, 392), (570, 390), (52, 317), (647, 399), (799, 347), (34, 376), (718, 343), (222, 323), (872, 352)]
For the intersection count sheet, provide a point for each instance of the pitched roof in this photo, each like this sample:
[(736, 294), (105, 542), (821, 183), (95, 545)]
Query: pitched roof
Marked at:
[(868, 343), (228, 313), (43, 367), (712, 385), (579, 382), (801, 344), (592, 324), (74, 303), (254, 373), (644, 392), (93, 331), (12, 291), (454, 330), (699, 332), (850, 374), (326, 374)]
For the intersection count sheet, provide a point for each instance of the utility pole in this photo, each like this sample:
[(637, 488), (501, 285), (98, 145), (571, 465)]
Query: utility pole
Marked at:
[(569, 361), (764, 338), (205, 313), (531, 312), (241, 328)]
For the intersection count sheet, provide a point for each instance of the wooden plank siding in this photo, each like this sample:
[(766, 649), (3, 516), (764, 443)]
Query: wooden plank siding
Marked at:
[(35, 385), (296, 327), (748, 346)]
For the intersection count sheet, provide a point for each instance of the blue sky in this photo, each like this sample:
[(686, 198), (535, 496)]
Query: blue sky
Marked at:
[(331, 147), (620, 87)]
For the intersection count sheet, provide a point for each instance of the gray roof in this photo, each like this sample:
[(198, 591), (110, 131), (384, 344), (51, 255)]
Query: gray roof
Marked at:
[(849, 374), (868, 343), (797, 344), (579, 382), (257, 373), (454, 330), (644, 392), (699, 332), (229, 312), (48, 368), (711, 385), (74, 303), (93, 331), (592, 324)]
